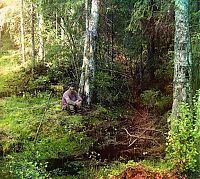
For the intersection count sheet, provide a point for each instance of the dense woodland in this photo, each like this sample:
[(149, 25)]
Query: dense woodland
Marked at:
[(135, 63)]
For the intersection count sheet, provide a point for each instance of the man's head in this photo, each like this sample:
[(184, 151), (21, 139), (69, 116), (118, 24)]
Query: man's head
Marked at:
[(72, 88)]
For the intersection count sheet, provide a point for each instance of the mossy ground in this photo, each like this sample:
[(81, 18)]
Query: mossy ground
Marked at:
[(62, 138), (38, 140), (57, 136)]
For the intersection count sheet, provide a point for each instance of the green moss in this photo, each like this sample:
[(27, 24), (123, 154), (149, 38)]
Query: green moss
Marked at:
[(8, 67), (57, 136), (61, 135), (160, 166), (116, 168), (113, 170)]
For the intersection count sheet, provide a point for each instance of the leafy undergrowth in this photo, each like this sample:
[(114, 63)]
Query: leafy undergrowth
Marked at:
[(34, 129), (22, 116), (40, 140)]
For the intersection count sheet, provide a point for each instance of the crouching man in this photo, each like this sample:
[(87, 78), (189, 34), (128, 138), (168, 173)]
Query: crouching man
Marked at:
[(71, 100)]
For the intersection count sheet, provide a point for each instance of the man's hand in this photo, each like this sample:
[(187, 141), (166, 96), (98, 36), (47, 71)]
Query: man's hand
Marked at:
[(78, 103)]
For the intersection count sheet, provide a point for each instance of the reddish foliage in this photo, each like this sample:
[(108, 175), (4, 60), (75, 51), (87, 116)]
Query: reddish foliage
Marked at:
[(139, 172)]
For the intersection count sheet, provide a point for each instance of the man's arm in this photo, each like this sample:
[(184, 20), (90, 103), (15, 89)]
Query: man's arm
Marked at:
[(78, 97), (78, 101)]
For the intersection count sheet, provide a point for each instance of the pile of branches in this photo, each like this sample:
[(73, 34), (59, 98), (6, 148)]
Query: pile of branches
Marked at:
[(138, 136)]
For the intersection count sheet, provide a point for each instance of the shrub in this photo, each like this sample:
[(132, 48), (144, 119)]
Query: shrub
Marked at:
[(110, 90), (26, 169), (150, 98), (197, 126), (183, 138), (156, 100)]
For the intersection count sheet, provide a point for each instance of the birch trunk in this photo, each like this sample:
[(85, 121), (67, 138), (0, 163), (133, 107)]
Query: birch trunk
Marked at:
[(56, 25), (22, 32), (182, 61), (33, 33), (40, 33), (88, 67), (62, 30)]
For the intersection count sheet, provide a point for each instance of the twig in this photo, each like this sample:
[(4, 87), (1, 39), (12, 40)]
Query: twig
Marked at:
[(139, 137), (38, 129)]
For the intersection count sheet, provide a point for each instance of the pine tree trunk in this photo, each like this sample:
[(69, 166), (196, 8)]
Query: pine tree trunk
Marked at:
[(88, 68), (182, 61), (196, 47), (151, 58), (151, 48), (22, 32)]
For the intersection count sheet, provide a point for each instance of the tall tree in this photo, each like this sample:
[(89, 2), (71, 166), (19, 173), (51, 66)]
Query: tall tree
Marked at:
[(33, 33), (88, 66), (40, 33), (182, 60), (195, 31), (151, 43), (198, 126), (22, 32)]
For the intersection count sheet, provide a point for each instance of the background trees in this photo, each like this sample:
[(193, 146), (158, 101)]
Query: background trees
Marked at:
[(134, 49)]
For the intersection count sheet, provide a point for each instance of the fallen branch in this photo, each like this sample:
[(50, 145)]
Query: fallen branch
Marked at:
[(42, 119), (139, 137)]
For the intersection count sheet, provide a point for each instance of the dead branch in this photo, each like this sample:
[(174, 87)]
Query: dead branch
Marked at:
[(139, 137)]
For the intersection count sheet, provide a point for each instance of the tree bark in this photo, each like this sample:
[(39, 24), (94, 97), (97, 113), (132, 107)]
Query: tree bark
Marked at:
[(56, 20), (182, 61), (22, 32), (151, 45), (88, 67), (40, 33), (33, 33), (198, 5), (198, 126), (62, 30), (151, 58)]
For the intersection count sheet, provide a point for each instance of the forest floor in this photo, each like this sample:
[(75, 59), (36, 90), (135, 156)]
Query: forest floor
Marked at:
[(37, 139)]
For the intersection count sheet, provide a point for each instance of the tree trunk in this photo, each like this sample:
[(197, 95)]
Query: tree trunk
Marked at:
[(198, 5), (151, 63), (22, 32), (182, 61), (56, 20), (151, 58), (196, 47), (33, 33), (40, 33), (62, 30), (198, 127), (88, 68)]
